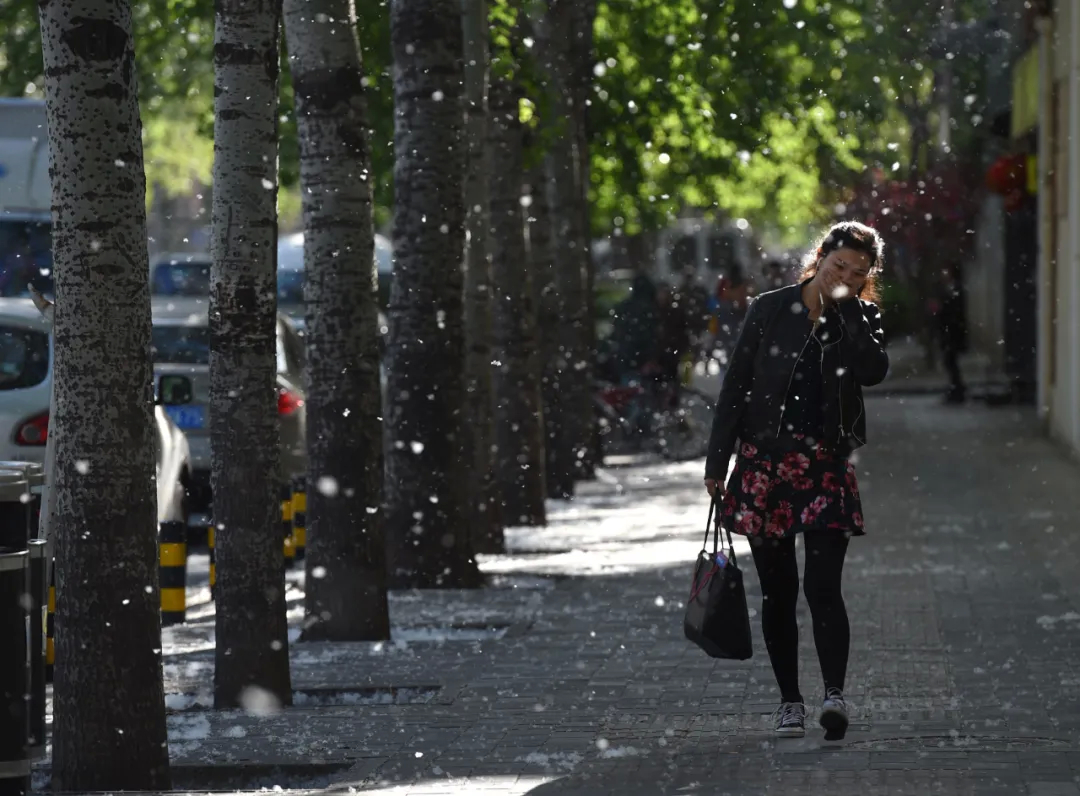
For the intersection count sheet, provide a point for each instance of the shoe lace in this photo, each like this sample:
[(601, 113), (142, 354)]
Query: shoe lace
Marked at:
[(836, 695), (789, 713)]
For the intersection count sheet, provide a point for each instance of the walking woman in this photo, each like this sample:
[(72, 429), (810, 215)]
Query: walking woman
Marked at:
[(791, 407)]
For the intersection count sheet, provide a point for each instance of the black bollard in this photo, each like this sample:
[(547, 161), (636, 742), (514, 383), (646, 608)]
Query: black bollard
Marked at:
[(299, 507), (172, 574), (287, 526)]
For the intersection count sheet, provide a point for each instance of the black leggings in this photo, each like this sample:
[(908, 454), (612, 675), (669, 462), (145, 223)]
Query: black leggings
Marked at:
[(778, 573)]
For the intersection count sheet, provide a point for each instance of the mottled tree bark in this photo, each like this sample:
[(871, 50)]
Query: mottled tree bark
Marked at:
[(519, 430), (485, 516), (541, 266), (572, 371), (427, 505), (252, 654), (345, 564), (109, 725), (581, 62)]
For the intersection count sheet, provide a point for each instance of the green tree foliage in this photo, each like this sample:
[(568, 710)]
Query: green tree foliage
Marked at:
[(174, 46), (753, 109)]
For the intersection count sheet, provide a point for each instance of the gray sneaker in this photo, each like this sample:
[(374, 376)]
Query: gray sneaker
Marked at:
[(834, 715), (790, 720)]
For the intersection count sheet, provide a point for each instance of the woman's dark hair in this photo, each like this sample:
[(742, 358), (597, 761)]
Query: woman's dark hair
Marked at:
[(850, 235)]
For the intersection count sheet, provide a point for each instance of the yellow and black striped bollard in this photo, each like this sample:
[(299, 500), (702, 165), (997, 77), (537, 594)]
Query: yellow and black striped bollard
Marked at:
[(287, 526), (172, 557), (50, 627), (213, 559), (299, 509)]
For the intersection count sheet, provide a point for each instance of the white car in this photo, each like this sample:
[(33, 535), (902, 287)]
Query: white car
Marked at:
[(26, 371)]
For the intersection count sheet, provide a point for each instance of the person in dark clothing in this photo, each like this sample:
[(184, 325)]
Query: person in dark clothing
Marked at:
[(774, 272), (953, 331), (692, 297), (792, 406), (673, 333), (635, 329)]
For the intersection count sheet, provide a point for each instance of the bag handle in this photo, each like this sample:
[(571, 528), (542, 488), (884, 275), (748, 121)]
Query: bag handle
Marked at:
[(714, 512)]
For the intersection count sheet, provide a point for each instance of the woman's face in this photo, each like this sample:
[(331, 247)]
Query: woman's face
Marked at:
[(847, 267)]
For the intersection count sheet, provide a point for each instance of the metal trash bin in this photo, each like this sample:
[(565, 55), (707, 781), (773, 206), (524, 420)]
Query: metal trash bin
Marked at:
[(14, 673), (21, 644), (34, 473)]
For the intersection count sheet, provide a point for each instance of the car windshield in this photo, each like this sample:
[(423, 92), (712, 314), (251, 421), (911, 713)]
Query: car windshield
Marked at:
[(290, 287), (180, 345), (24, 358), (181, 278), (25, 258)]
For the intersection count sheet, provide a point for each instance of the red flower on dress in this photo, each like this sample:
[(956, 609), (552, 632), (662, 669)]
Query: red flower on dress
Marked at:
[(748, 450), (793, 466), (755, 482), (831, 483), (747, 522), (856, 518), (727, 504), (781, 520), (852, 483), (803, 483), (813, 511)]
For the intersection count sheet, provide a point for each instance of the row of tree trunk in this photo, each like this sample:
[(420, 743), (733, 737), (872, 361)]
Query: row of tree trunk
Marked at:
[(488, 351)]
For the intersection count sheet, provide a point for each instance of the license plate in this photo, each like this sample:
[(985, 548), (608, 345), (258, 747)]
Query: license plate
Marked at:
[(187, 418)]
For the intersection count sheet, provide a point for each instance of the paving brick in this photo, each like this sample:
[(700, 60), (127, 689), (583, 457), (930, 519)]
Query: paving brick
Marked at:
[(962, 598)]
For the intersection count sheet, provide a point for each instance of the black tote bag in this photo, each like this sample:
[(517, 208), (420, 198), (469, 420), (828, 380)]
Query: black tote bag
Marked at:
[(716, 618)]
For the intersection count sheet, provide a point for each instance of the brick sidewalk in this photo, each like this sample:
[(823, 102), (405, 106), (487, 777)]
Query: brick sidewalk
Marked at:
[(965, 606)]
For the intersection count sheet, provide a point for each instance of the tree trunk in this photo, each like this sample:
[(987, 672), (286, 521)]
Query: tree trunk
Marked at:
[(581, 45), (541, 267), (485, 517), (109, 726), (558, 444), (252, 650), (519, 429), (427, 512), (573, 370), (345, 564)]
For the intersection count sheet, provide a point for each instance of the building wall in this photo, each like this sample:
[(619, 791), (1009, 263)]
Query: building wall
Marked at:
[(983, 278), (1060, 260)]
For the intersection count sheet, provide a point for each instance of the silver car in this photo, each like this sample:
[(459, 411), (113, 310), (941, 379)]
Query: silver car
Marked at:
[(26, 373), (181, 345)]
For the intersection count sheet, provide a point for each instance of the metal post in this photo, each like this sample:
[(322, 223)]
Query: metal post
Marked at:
[(37, 625), (210, 533)]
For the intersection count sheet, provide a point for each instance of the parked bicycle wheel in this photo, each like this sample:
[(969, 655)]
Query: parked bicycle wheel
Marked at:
[(683, 433)]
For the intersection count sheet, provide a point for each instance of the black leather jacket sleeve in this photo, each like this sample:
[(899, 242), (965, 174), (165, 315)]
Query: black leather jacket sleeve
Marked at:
[(735, 393), (865, 351)]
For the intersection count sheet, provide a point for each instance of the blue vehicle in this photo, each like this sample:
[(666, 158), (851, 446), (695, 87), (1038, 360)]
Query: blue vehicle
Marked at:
[(25, 199)]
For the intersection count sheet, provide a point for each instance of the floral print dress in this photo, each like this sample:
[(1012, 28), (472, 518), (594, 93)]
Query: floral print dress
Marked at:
[(778, 491)]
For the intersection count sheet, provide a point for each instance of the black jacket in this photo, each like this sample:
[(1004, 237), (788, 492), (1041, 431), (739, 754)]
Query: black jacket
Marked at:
[(750, 406)]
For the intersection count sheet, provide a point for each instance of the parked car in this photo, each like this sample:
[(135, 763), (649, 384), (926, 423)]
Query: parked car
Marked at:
[(183, 274), (181, 345), (291, 273), (26, 373)]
